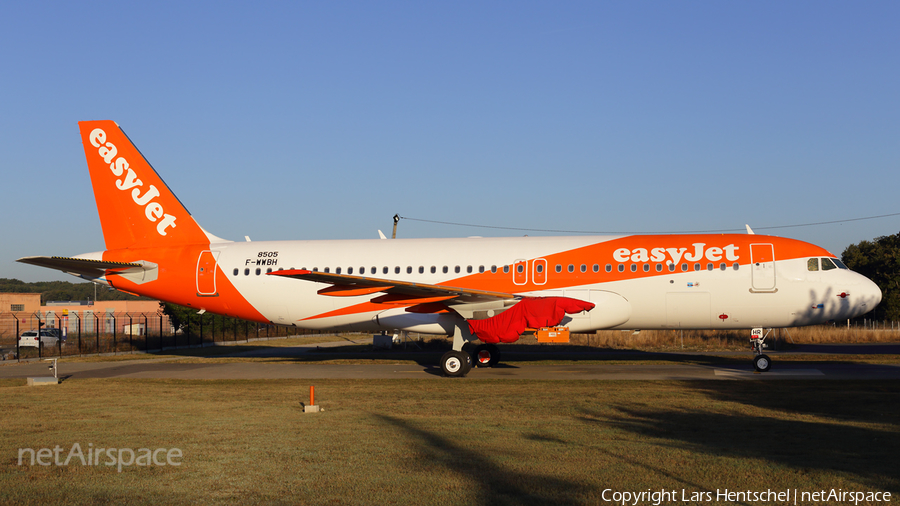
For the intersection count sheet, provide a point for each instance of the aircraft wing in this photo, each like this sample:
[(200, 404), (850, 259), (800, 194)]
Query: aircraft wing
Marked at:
[(81, 266), (396, 292)]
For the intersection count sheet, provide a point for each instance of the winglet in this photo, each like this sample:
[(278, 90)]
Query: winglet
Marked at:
[(749, 230)]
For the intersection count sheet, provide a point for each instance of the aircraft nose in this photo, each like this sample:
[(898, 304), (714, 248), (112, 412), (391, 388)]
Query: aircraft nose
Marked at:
[(871, 295)]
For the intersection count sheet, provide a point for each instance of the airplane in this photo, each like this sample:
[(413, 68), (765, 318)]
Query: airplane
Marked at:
[(490, 290)]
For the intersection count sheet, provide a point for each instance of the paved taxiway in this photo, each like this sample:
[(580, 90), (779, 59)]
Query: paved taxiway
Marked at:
[(261, 370), (176, 369)]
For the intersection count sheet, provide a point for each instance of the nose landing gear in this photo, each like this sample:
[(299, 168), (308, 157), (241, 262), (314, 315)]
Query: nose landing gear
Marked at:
[(761, 362)]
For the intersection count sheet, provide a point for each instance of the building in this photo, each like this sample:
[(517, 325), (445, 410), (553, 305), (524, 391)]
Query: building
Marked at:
[(23, 311)]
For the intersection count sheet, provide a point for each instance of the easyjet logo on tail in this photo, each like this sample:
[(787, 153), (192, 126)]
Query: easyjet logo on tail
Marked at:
[(152, 210), (713, 254)]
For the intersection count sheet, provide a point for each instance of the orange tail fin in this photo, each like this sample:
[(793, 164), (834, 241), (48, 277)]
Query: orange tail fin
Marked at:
[(137, 209)]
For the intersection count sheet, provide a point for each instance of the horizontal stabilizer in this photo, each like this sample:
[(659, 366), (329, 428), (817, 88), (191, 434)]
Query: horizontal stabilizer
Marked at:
[(85, 267), (415, 292), (138, 272)]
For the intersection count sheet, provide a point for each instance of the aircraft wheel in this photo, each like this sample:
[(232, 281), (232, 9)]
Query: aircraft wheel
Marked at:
[(456, 363), (762, 363), (486, 355)]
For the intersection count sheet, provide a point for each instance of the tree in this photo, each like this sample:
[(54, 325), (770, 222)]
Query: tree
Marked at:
[(879, 260)]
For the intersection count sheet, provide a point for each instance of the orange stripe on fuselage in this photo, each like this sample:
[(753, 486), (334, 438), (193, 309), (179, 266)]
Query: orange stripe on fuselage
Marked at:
[(640, 251)]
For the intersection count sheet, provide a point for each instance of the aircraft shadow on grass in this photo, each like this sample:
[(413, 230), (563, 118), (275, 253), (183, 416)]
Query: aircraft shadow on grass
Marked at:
[(493, 484), (791, 439)]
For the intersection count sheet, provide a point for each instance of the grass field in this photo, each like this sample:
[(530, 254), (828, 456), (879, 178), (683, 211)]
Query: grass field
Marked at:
[(450, 441)]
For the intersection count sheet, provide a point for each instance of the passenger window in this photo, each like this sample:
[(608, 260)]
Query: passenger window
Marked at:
[(558, 268), (246, 272), (446, 269), (646, 267), (480, 269), (235, 273), (385, 270), (469, 269), (409, 269), (493, 269), (709, 267), (268, 270), (736, 266), (621, 267), (397, 269), (456, 269), (539, 268), (658, 267), (696, 267), (571, 268), (258, 271), (671, 267), (633, 267), (723, 266), (374, 270), (812, 264), (520, 268), (827, 264), (583, 268), (596, 268), (505, 269), (608, 268), (684, 267), (433, 269), (421, 269)]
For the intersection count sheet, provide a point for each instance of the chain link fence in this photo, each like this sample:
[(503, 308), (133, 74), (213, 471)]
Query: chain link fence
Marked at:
[(100, 332)]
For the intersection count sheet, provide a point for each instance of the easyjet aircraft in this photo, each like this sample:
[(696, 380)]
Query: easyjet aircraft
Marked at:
[(487, 289)]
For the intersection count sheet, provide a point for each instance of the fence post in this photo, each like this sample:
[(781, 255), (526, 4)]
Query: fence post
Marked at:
[(18, 357), (130, 332), (40, 342), (146, 334), (59, 338), (80, 352)]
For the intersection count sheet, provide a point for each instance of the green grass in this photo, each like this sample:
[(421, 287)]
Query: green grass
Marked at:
[(449, 441)]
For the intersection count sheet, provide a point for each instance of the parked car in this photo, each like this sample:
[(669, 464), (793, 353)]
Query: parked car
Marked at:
[(49, 337)]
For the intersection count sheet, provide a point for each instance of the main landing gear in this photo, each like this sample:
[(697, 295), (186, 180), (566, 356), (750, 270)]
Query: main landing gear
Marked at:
[(761, 362), (456, 363), (465, 355), (486, 355), (459, 363)]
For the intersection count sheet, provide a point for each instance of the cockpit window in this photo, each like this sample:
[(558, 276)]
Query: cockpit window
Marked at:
[(839, 264), (812, 264), (827, 264)]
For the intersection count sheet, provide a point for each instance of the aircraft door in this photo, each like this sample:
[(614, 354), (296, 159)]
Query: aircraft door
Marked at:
[(762, 266), (520, 272), (540, 271), (206, 273)]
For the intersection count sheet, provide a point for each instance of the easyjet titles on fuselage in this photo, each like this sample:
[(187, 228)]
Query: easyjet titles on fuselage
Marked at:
[(713, 254), (152, 210)]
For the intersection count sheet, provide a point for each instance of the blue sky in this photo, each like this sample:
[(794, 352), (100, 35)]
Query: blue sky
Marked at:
[(320, 120)]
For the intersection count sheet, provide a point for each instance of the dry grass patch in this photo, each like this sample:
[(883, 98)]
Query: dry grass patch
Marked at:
[(449, 441)]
